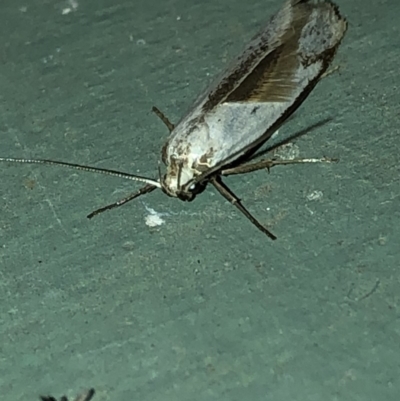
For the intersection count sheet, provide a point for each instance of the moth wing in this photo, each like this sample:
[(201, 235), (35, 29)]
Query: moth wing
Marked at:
[(273, 76), (314, 34)]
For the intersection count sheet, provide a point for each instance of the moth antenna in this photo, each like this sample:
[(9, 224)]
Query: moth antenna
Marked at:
[(180, 165), (159, 173), (80, 167)]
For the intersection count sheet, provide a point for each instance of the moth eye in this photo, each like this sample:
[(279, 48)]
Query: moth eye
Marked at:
[(192, 187)]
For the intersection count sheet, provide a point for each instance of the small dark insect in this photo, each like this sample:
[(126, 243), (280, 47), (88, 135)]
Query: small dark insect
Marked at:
[(85, 396)]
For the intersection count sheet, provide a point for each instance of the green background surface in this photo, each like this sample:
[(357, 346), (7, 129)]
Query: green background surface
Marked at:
[(204, 307)]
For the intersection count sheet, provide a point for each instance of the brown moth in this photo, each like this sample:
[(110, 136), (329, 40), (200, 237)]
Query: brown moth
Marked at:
[(243, 108)]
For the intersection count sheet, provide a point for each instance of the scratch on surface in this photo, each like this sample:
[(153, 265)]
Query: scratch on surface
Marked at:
[(52, 208)]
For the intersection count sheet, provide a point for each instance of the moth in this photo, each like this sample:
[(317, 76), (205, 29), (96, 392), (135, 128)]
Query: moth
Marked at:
[(229, 122), (85, 396)]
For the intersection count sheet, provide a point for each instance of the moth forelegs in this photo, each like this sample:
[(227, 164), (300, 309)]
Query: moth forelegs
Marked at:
[(144, 190), (235, 201)]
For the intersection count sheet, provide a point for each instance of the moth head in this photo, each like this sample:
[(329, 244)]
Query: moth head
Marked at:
[(180, 181), (186, 193)]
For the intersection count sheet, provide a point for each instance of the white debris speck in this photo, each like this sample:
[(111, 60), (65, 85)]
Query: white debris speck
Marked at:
[(288, 151), (140, 42), (72, 6), (314, 195), (154, 219), (275, 134)]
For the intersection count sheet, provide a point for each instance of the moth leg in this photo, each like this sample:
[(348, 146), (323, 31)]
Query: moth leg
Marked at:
[(330, 71), (145, 190), (235, 201), (269, 163), (163, 118)]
